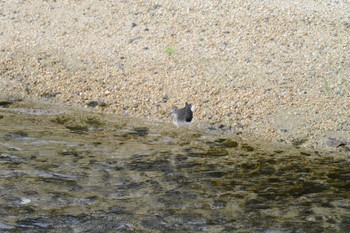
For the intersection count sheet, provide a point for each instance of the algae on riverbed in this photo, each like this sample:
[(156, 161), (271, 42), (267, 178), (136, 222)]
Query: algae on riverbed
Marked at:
[(139, 176)]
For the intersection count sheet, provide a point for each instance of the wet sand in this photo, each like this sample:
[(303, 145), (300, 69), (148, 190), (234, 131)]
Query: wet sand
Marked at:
[(277, 71)]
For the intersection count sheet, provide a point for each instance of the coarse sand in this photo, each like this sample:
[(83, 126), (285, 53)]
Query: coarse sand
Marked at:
[(277, 70)]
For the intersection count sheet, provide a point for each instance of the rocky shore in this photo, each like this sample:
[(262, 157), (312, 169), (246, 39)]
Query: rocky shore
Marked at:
[(277, 70)]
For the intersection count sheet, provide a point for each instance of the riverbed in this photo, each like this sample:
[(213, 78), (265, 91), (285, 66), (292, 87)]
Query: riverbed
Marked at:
[(72, 170)]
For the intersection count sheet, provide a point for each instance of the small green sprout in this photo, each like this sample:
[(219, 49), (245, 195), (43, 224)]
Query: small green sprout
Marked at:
[(326, 86), (169, 50)]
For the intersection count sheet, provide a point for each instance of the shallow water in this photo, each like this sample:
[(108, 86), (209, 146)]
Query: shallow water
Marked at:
[(77, 171)]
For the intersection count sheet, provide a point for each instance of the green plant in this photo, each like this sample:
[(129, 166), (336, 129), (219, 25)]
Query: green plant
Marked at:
[(169, 50), (326, 86)]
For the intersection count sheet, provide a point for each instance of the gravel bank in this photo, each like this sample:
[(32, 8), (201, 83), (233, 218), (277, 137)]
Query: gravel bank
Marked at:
[(277, 70)]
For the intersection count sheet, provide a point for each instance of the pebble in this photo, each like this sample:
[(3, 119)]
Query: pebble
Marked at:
[(333, 142), (95, 103)]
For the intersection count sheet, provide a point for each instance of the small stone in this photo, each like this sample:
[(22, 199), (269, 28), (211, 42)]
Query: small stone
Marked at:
[(224, 143), (216, 151), (246, 147), (95, 103), (141, 131), (298, 142), (304, 153), (333, 142), (49, 95), (165, 98), (92, 104)]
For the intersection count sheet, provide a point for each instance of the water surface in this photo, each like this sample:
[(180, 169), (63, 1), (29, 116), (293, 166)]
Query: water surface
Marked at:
[(78, 171)]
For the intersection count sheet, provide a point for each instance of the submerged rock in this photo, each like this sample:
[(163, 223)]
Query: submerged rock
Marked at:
[(246, 147), (141, 131)]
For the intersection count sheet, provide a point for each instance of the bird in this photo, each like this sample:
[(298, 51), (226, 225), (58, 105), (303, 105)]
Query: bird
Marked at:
[(182, 116)]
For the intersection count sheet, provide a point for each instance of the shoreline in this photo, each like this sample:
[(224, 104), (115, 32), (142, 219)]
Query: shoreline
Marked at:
[(275, 72), (51, 107)]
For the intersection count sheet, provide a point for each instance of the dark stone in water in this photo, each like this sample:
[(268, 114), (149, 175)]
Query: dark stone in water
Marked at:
[(5, 104), (253, 205), (141, 131), (298, 142), (215, 151), (303, 188), (97, 143), (180, 158), (230, 144), (158, 164), (225, 143), (1, 117), (304, 153), (94, 122), (118, 210), (50, 95), (92, 104), (250, 166), (95, 103), (246, 147), (267, 170), (339, 176), (8, 102), (215, 174), (68, 153), (79, 129)]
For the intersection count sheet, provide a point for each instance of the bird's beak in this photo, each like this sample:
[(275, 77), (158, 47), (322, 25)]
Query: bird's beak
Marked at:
[(173, 110), (170, 113)]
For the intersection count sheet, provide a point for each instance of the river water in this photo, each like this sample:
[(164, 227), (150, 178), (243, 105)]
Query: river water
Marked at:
[(77, 171)]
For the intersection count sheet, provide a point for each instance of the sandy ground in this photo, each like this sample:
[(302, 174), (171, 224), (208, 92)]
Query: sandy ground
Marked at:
[(277, 70)]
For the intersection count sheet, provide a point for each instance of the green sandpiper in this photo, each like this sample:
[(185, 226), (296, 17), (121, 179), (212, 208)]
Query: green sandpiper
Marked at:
[(182, 116)]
